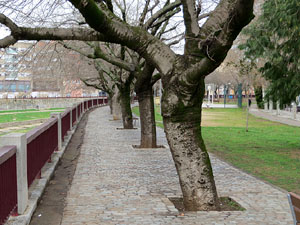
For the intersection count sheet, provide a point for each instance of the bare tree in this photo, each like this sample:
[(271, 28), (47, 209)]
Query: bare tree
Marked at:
[(206, 46)]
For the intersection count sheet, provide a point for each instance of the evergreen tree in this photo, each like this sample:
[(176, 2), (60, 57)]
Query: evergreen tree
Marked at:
[(274, 38)]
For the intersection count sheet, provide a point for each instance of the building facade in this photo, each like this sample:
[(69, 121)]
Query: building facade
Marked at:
[(42, 69)]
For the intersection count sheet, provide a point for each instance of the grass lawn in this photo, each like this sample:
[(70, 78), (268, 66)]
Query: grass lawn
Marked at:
[(24, 110), (16, 117), (269, 150), (24, 130)]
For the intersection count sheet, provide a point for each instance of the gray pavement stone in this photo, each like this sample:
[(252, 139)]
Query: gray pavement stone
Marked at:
[(117, 184)]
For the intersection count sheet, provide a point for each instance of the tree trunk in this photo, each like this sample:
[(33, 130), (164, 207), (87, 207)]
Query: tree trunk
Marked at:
[(182, 123), (126, 107), (147, 118), (116, 106), (110, 105)]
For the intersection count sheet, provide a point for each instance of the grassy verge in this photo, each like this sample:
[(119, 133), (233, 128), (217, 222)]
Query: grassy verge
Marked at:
[(269, 150), (23, 130), (24, 110), (55, 109), (158, 117), (17, 117)]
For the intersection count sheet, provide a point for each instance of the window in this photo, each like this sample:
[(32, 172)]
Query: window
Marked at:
[(12, 87), (21, 87)]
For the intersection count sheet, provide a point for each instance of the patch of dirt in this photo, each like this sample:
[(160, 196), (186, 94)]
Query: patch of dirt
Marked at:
[(51, 206), (226, 204)]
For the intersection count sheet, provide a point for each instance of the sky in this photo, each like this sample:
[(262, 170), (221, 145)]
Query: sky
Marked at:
[(59, 13)]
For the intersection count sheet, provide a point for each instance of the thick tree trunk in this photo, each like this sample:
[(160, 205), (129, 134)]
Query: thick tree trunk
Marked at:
[(182, 123), (192, 164), (147, 118), (126, 108)]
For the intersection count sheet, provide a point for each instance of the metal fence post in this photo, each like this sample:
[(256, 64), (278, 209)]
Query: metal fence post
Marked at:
[(19, 140), (58, 116), (71, 117)]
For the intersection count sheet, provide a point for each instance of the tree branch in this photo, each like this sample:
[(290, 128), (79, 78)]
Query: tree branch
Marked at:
[(137, 39), (161, 12), (223, 26), (144, 13), (155, 78), (25, 33), (190, 17), (166, 17)]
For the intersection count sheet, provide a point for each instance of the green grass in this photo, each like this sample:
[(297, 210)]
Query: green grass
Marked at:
[(24, 130), (270, 151), (158, 117), (16, 117), (12, 111), (55, 109)]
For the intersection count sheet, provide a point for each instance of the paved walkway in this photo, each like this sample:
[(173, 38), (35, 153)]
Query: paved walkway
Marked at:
[(284, 117), (116, 184)]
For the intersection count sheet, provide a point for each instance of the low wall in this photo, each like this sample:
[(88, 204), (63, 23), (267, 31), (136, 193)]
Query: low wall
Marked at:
[(41, 103)]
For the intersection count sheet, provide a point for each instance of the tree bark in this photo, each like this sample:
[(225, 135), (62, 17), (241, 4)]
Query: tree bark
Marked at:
[(147, 118), (116, 106), (126, 107), (181, 110)]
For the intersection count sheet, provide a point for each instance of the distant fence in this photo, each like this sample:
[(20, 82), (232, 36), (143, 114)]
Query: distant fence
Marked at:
[(41, 103), (24, 155)]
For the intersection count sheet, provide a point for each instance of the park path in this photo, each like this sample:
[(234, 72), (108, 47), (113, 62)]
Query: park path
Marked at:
[(116, 184), (284, 117)]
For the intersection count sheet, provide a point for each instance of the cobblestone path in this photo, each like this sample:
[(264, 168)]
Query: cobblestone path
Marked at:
[(116, 184)]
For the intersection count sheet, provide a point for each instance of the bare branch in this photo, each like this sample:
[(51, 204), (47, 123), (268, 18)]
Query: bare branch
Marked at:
[(190, 18), (144, 13), (161, 12), (24, 33), (165, 18)]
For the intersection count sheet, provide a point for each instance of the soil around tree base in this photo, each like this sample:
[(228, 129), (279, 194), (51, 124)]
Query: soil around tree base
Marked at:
[(226, 204), (51, 206)]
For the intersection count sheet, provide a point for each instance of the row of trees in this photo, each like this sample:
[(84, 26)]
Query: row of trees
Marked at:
[(206, 45)]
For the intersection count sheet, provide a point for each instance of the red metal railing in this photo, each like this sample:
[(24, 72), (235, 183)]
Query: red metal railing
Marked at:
[(80, 109), (95, 102), (41, 143), (65, 123), (8, 182), (90, 103), (74, 115)]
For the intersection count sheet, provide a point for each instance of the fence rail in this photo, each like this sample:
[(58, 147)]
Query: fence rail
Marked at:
[(8, 182), (39, 144)]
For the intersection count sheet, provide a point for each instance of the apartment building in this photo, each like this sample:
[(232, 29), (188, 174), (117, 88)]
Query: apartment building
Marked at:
[(42, 69), (15, 70)]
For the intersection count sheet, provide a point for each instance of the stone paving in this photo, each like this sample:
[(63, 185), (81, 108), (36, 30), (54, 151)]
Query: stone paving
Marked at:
[(117, 184)]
